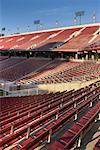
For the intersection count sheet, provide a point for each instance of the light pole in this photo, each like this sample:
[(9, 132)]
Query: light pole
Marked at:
[(79, 14), (74, 21), (37, 23), (57, 23), (3, 30), (94, 17)]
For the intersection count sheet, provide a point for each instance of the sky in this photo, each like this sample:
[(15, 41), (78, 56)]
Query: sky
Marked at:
[(19, 15)]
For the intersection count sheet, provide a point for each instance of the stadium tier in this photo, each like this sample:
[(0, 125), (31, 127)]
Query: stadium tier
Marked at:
[(20, 67), (28, 121), (67, 140), (45, 71), (9, 63), (69, 39), (50, 88), (70, 71)]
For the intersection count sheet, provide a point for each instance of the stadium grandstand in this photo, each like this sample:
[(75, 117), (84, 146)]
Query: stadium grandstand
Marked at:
[(50, 86)]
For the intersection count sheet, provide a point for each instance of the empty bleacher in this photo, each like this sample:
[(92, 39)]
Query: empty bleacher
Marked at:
[(65, 72), (79, 41), (77, 129), (62, 39), (55, 66), (20, 68), (6, 63), (28, 121), (47, 71), (50, 120)]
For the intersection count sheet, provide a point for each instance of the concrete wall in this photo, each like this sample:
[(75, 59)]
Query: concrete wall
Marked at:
[(65, 86)]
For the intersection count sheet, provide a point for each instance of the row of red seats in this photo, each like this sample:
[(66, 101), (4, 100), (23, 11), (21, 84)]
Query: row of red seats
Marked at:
[(21, 69), (42, 38), (42, 109), (31, 107), (24, 41), (80, 72), (56, 66), (76, 131), (11, 104), (61, 36), (52, 113), (33, 141), (10, 62), (32, 101), (79, 41)]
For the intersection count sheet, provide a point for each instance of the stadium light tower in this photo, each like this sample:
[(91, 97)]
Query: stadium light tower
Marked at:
[(3, 30), (37, 23), (79, 14)]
